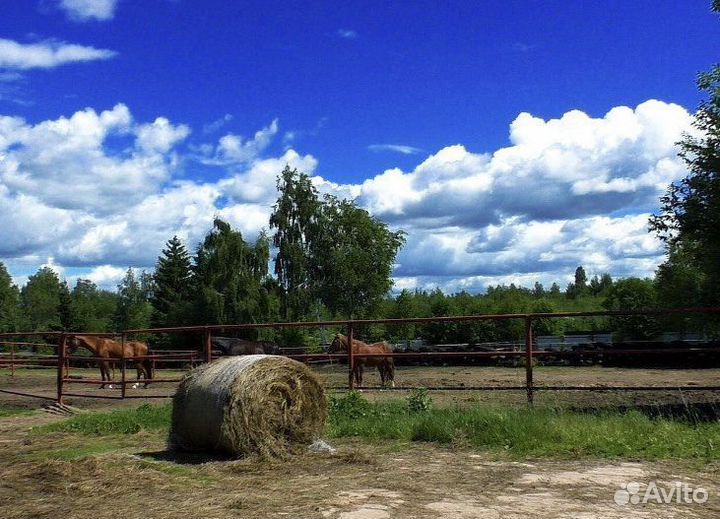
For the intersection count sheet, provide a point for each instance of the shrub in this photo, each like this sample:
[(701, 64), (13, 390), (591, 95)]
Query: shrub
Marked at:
[(350, 405), (419, 401)]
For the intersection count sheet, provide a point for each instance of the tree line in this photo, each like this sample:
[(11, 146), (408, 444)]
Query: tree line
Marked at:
[(227, 281)]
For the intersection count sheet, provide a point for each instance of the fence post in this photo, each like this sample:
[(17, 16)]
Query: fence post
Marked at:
[(351, 359), (61, 367), (12, 359), (529, 359), (122, 365), (208, 346)]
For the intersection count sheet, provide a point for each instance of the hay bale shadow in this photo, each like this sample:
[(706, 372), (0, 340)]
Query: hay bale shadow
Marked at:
[(185, 457)]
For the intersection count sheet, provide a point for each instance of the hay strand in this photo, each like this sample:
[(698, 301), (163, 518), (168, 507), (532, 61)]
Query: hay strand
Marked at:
[(251, 404)]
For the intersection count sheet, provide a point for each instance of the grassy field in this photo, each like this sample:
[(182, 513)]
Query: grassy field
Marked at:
[(518, 433), (395, 458)]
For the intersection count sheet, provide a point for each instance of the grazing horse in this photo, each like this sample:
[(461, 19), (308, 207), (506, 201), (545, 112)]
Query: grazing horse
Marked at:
[(385, 365), (235, 346), (112, 350)]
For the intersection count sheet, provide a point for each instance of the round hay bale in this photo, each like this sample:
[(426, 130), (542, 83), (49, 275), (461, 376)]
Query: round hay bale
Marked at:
[(264, 404)]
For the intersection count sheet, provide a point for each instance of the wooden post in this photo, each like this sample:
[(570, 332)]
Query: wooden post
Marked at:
[(122, 365), (529, 359), (351, 360), (208, 346), (61, 368), (12, 359)]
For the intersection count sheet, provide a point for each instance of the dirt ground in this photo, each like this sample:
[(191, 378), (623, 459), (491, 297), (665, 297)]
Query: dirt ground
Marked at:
[(73, 476), (42, 382)]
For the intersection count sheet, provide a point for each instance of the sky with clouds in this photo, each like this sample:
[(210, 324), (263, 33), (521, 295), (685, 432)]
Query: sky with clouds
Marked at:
[(512, 141)]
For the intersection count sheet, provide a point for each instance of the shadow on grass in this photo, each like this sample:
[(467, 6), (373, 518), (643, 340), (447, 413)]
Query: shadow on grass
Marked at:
[(185, 457), (690, 412)]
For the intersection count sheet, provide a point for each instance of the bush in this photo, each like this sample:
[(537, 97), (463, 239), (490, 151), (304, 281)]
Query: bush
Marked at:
[(350, 405), (419, 401)]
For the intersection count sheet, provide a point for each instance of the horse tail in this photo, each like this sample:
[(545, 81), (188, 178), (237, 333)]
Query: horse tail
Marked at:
[(141, 349), (148, 369)]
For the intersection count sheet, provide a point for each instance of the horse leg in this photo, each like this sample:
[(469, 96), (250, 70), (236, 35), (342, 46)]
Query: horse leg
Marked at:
[(147, 370), (355, 374), (103, 369)]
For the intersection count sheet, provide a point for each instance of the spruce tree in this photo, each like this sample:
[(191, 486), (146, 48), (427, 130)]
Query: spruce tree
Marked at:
[(171, 290)]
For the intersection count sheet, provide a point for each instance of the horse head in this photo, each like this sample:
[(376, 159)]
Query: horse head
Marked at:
[(72, 344), (338, 344)]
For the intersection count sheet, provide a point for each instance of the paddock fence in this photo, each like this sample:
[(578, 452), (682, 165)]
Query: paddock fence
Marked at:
[(50, 352)]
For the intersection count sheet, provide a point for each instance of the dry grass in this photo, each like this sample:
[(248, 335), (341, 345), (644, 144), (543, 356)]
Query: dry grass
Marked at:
[(252, 404), (136, 477), (70, 475)]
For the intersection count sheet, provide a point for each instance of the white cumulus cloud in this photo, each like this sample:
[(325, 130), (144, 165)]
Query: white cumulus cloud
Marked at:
[(47, 54), (67, 162), (233, 149), (84, 10), (98, 190)]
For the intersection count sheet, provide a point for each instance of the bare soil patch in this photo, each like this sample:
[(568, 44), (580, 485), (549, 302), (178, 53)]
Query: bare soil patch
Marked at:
[(42, 382)]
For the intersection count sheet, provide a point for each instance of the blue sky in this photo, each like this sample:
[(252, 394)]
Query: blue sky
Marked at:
[(482, 128)]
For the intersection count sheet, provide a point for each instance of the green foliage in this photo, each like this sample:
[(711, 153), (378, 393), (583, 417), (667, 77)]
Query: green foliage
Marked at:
[(295, 217), (10, 307), (538, 432), (419, 400), (680, 284), (353, 258), (349, 406), (230, 278), (633, 294), (497, 300), (172, 285), (689, 216), (41, 299), (91, 310), (600, 286), (133, 306), (308, 339)]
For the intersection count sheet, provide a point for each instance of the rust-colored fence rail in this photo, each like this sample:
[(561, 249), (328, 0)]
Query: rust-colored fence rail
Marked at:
[(62, 361)]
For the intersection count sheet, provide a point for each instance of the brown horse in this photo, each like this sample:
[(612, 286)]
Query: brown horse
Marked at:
[(112, 350), (385, 365)]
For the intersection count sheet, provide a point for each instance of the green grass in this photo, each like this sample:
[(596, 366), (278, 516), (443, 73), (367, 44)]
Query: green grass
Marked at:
[(514, 432), (533, 432), (121, 421), (6, 412), (80, 451)]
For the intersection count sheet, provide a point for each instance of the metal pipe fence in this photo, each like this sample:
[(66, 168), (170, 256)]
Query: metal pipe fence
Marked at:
[(62, 361)]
